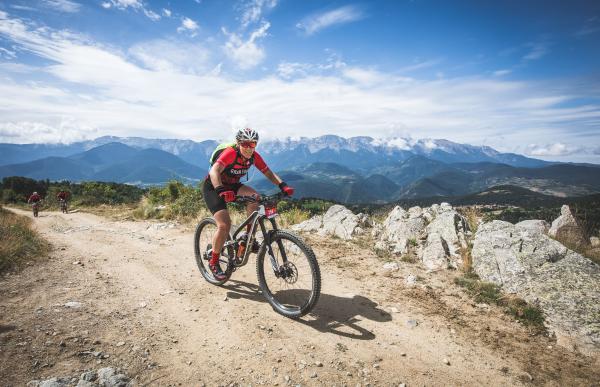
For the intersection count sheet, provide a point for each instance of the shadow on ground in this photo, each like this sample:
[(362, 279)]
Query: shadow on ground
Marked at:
[(332, 314)]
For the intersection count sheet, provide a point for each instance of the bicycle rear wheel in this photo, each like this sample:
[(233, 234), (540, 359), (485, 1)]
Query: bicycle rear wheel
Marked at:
[(203, 239), (296, 286)]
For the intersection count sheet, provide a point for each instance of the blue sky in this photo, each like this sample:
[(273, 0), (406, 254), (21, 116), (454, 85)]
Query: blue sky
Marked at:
[(520, 76)]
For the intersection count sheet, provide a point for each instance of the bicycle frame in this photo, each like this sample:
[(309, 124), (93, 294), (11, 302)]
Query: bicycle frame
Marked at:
[(257, 218)]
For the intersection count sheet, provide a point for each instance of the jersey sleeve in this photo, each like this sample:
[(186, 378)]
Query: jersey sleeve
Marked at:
[(260, 163), (227, 157)]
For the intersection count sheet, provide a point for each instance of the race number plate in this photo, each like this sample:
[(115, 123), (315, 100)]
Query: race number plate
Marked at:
[(270, 212)]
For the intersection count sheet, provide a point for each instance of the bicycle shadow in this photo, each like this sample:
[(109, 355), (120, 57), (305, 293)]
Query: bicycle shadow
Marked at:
[(332, 314)]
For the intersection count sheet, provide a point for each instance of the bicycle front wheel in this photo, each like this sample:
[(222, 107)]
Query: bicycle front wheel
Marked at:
[(292, 289)]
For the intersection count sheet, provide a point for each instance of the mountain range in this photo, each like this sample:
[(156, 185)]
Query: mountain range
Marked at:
[(348, 170)]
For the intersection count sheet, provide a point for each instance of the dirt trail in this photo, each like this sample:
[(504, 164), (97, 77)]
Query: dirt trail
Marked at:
[(146, 308)]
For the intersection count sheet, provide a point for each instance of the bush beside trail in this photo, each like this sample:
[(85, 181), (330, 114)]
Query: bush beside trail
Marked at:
[(20, 243)]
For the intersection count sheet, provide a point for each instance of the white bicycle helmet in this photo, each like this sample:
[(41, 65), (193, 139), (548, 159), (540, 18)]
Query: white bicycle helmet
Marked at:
[(247, 134)]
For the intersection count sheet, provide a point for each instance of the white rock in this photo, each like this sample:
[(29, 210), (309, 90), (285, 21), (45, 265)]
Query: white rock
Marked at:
[(73, 304)]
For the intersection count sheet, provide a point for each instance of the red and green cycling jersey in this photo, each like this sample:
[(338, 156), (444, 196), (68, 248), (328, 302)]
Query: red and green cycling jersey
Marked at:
[(236, 166)]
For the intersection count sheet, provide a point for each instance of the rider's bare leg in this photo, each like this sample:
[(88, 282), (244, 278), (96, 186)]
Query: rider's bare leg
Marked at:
[(223, 227), (250, 207)]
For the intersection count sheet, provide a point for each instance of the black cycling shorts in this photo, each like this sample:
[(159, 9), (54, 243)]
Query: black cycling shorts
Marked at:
[(213, 201)]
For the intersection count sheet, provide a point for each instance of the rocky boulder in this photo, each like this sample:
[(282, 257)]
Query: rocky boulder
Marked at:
[(337, 221), (566, 229), (401, 228), (445, 239), (565, 285), (440, 227)]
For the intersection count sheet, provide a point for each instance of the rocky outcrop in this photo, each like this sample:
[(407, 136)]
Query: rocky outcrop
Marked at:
[(566, 229), (399, 228), (337, 221), (566, 286), (440, 227)]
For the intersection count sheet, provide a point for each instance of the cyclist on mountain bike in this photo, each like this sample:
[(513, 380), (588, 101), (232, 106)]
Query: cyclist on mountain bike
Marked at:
[(62, 197), (222, 184), (34, 198)]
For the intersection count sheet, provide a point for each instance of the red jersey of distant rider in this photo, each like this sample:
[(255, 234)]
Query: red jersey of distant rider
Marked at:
[(62, 195), (34, 198), (236, 166)]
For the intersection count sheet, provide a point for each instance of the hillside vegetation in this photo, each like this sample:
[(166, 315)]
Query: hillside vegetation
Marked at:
[(16, 190), (20, 243)]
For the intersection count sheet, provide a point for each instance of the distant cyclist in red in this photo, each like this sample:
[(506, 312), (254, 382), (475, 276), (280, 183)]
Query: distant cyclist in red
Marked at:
[(34, 198), (223, 184), (62, 195)]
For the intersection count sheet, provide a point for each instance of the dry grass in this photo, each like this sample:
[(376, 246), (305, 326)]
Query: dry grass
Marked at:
[(473, 215), (489, 293), (20, 243), (293, 216), (467, 258)]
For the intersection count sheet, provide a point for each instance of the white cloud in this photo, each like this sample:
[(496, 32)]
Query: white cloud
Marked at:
[(253, 10), (342, 15), (419, 65), (172, 56), (591, 26), (536, 50), (23, 7), (556, 149), (500, 73), (136, 5), (7, 53), (64, 130), (166, 12), (63, 5), (133, 92), (246, 54), (188, 25)]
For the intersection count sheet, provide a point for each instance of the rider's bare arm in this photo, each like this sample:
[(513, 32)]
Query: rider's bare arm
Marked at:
[(215, 174), (272, 177)]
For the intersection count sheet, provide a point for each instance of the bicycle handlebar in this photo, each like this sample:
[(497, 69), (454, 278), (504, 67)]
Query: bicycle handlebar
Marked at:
[(263, 199)]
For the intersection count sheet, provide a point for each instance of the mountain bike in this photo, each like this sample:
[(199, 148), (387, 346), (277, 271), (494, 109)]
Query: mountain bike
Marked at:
[(63, 206), (35, 206), (287, 269)]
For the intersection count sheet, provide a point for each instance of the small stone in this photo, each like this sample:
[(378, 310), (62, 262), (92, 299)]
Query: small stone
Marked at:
[(412, 323), (403, 354), (376, 366), (318, 364), (73, 305), (313, 375), (225, 299), (120, 343), (446, 361)]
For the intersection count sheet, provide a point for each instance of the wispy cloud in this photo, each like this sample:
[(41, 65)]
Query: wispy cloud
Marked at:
[(419, 65), (188, 25), (536, 50), (591, 26), (315, 23), (246, 53), (172, 56), (136, 5), (556, 149), (22, 7), (166, 12), (253, 10), (63, 5), (500, 73)]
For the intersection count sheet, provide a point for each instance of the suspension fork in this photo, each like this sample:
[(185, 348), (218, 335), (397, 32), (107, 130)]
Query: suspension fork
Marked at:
[(267, 235)]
